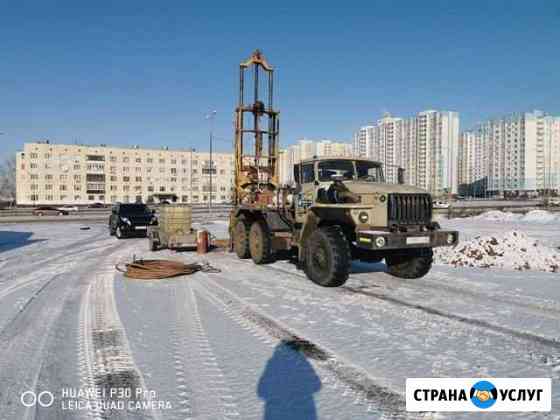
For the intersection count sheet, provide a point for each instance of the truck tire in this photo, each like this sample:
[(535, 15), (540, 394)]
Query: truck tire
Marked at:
[(327, 257), (414, 265), (260, 244), (241, 239)]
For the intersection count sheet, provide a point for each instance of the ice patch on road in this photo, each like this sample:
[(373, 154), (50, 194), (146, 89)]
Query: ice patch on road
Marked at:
[(513, 250)]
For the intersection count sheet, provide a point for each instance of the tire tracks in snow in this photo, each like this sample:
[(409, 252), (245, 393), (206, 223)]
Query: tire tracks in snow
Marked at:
[(430, 310), (544, 349), (336, 372), (194, 353), (105, 360)]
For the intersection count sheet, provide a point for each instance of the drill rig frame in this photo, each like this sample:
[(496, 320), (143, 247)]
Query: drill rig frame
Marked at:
[(256, 173)]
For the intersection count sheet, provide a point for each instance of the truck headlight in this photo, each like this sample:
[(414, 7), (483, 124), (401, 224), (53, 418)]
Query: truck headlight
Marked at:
[(450, 238), (363, 217), (125, 219), (380, 242)]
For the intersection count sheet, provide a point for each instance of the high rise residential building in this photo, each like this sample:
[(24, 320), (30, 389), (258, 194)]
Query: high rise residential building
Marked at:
[(519, 153), (424, 145), (306, 149), (80, 174)]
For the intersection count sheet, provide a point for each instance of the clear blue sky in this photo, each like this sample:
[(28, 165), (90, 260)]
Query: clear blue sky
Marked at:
[(146, 72)]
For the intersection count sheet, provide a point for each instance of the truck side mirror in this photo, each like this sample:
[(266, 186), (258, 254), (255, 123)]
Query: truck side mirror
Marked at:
[(400, 175)]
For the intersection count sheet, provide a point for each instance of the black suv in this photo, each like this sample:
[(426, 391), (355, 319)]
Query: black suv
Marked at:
[(130, 219)]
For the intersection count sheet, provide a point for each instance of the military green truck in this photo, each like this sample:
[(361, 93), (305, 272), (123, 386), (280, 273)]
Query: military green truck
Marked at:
[(339, 210)]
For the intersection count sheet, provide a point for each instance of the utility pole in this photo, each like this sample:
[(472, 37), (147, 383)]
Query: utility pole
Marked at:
[(210, 117)]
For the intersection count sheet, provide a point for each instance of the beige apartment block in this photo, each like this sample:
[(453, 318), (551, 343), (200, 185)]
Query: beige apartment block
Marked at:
[(58, 174)]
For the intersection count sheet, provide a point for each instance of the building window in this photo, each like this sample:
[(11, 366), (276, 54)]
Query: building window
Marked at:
[(162, 189), (126, 188), (125, 159), (77, 187), (113, 179), (126, 179), (34, 187), (77, 178), (33, 155), (138, 160), (91, 197), (126, 169), (48, 187), (162, 161), (138, 179), (76, 167), (151, 188), (149, 160), (34, 177), (138, 169)]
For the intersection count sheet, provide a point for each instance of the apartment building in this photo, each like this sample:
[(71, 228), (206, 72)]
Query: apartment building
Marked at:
[(519, 153), (424, 145), (57, 174), (306, 149)]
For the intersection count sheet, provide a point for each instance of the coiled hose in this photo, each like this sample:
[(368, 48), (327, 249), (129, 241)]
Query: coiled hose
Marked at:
[(162, 269)]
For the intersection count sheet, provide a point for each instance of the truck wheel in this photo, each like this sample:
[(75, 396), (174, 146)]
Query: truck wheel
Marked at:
[(259, 243), (410, 266), (241, 239), (327, 257)]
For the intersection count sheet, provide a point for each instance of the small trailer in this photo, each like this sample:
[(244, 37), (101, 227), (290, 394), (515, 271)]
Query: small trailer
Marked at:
[(174, 229)]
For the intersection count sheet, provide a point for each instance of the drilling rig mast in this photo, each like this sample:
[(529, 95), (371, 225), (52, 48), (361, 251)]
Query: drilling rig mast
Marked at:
[(256, 141)]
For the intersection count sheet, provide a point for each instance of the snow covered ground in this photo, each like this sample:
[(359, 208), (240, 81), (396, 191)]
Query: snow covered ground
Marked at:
[(259, 342)]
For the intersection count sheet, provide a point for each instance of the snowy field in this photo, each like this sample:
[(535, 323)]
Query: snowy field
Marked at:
[(263, 342)]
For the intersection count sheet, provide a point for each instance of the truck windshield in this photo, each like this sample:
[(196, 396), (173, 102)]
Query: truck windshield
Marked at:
[(133, 208), (369, 171), (330, 168)]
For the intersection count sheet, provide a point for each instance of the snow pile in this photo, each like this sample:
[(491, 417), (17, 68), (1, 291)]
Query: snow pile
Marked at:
[(534, 216), (498, 216), (513, 250), (540, 216)]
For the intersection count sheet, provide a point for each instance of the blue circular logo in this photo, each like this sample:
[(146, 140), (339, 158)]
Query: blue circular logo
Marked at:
[(483, 394)]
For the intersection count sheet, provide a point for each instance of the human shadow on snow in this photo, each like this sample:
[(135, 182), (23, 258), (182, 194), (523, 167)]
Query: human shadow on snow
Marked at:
[(287, 385), (11, 240)]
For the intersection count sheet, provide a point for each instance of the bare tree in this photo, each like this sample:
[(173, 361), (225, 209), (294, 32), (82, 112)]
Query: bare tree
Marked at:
[(8, 179)]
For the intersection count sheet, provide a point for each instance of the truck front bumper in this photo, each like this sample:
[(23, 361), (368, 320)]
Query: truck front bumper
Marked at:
[(381, 240)]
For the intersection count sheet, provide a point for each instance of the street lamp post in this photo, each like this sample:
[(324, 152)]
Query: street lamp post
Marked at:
[(210, 117)]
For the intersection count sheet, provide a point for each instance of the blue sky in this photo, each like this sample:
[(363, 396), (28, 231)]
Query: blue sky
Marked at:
[(139, 72)]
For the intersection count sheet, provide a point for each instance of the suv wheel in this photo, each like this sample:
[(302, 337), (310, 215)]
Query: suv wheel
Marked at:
[(259, 243), (327, 257), (413, 265), (119, 233), (241, 239)]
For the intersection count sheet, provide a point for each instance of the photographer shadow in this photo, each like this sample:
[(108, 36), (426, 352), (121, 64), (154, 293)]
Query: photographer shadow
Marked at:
[(287, 385)]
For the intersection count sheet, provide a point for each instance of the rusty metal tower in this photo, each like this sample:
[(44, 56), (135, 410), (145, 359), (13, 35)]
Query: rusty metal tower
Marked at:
[(256, 141)]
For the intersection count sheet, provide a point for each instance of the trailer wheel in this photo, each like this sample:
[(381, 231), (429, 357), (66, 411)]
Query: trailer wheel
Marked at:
[(259, 242), (153, 243), (412, 265), (327, 257), (241, 239)]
